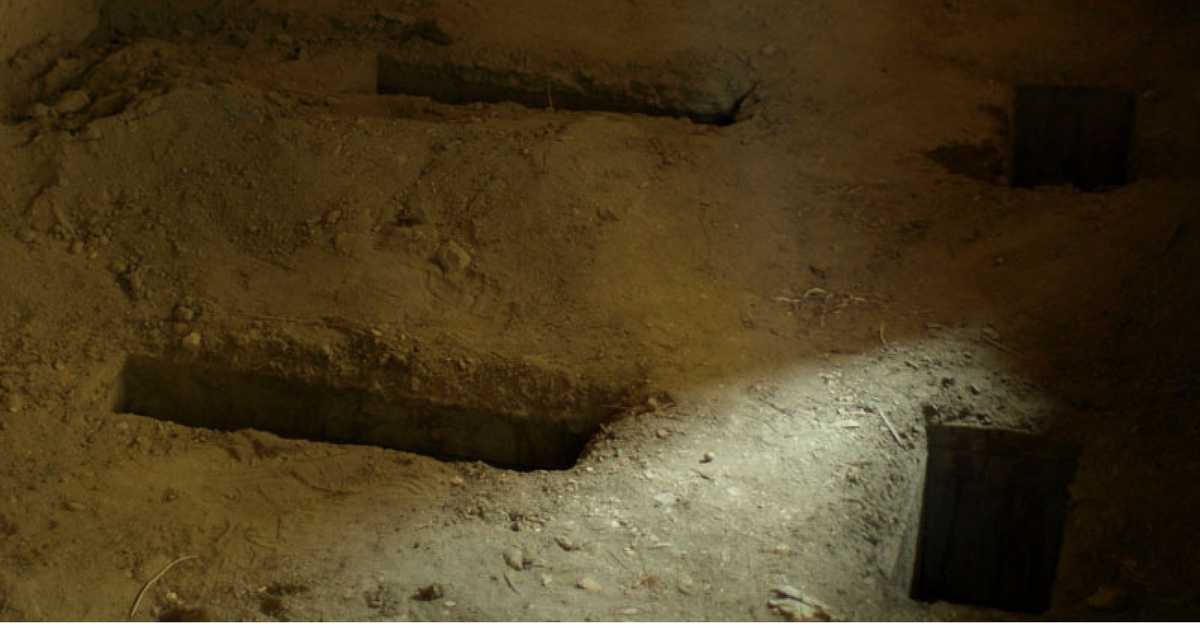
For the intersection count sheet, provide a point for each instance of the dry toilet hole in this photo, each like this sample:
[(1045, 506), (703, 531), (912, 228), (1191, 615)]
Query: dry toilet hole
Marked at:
[(1054, 135), (1072, 135), (992, 517)]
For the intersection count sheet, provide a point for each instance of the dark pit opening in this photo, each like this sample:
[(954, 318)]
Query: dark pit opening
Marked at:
[(217, 397), (992, 518), (461, 84), (1072, 135)]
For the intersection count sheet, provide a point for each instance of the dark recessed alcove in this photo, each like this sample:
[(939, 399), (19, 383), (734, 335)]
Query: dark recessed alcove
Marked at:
[(992, 517), (1072, 135)]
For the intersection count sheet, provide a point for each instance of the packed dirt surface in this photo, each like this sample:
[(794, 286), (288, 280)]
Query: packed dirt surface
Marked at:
[(744, 326)]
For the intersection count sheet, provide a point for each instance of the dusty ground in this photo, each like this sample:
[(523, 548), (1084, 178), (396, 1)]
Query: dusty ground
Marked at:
[(233, 191)]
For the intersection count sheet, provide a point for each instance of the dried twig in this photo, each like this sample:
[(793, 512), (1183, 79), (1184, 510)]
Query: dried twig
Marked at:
[(802, 298), (510, 584), (891, 428), (146, 587), (1002, 347)]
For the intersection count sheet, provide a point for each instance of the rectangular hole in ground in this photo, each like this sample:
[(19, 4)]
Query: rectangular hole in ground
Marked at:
[(220, 398), (462, 84), (992, 518), (1071, 135)]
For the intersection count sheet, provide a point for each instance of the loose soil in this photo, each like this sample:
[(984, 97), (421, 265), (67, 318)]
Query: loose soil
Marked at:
[(741, 309)]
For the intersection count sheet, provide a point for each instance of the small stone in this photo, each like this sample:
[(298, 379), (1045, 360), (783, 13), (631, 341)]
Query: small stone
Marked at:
[(515, 558), (1107, 599), (589, 585), (333, 217), (192, 342), (457, 481), (184, 314), (16, 403), (662, 432), (39, 111), (708, 457), (432, 592), (547, 580), (27, 236), (73, 506), (565, 543), (665, 499), (72, 101), (449, 604), (77, 247), (452, 258)]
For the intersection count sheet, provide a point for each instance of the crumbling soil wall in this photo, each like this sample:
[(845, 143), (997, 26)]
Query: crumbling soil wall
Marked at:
[(33, 33)]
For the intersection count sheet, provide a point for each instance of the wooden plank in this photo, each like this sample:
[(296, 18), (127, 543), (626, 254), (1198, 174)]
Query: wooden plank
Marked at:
[(1105, 134), (1075, 135), (1046, 136), (992, 517)]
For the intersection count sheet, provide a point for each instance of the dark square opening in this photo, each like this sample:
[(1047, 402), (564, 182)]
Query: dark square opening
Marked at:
[(1075, 135), (992, 518)]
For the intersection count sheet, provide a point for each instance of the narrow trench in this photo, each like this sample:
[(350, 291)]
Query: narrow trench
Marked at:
[(457, 84), (222, 398)]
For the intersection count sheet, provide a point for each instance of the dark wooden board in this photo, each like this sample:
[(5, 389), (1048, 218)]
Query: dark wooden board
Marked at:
[(992, 517), (1072, 135)]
